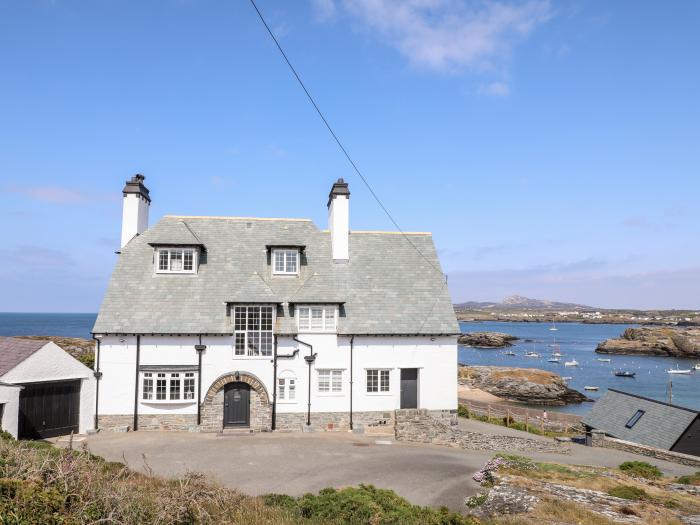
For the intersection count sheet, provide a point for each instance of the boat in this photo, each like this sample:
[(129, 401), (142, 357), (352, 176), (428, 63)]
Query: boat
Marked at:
[(553, 328), (697, 367), (509, 352), (554, 360), (566, 378), (571, 363), (532, 354), (680, 371), (603, 360), (594, 388), (557, 354), (624, 373)]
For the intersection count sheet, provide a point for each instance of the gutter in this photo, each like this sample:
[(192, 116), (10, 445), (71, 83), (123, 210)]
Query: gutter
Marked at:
[(200, 348), (98, 376), (136, 383), (310, 360)]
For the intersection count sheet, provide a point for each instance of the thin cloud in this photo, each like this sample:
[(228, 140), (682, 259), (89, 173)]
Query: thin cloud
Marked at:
[(495, 89), (324, 10), (60, 194), (448, 35)]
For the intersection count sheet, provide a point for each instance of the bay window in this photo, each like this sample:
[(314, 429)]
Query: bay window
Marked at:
[(169, 386), (252, 330)]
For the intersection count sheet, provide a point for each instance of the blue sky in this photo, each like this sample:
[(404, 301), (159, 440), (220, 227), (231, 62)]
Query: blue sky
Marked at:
[(552, 147)]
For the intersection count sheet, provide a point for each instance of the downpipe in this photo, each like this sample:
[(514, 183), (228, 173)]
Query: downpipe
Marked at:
[(310, 361)]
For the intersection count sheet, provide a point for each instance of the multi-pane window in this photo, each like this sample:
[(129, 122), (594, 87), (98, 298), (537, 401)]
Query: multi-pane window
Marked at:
[(286, 389), (285, 262), (377, 381), (330, 381), (317, 318), (169, 386), (252, 330), (176, 260)]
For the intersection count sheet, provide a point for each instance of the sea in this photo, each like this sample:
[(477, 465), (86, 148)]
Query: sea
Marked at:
[(578, 341), (575, 340)]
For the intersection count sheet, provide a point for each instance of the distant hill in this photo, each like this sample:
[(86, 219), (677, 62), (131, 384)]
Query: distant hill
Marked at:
[(518, 302)]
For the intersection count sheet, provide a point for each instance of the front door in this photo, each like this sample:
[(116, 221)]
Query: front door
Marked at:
[(237, 405), (409, 388)]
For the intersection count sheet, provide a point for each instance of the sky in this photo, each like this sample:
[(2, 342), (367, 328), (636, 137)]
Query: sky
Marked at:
[(551, 147)]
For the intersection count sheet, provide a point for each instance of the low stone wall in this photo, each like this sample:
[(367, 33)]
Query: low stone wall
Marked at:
[(599, 439), (334, 421), (186, 422), (419, 426)]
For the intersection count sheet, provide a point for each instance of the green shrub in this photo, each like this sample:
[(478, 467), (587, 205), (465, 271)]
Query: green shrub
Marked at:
[(4, 434), (690, 479), (641, 469), (463, 411), (87, 359), (27, 502), (364, 504), (629, 492), (476, 501)]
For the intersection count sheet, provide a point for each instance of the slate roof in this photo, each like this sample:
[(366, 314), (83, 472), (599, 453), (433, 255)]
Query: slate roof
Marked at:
[(14, 350), (175, 233), (386, 287), (660, 426)]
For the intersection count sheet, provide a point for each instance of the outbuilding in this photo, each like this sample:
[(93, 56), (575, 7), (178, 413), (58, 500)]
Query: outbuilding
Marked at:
[(44, 392), (646, 421)]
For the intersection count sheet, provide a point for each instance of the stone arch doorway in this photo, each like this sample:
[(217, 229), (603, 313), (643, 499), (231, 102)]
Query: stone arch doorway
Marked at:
[(215, 413)]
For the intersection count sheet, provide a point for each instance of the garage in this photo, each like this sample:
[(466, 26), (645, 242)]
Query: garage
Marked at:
[(49, 409), (44, 391)]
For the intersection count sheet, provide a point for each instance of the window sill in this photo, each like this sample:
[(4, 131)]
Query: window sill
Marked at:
[(330, 394), (320, 332), (253, 357), (287, 402), (168, 402), (379, 394)]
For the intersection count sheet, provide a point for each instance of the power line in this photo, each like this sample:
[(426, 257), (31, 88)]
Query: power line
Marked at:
[(337, 140)]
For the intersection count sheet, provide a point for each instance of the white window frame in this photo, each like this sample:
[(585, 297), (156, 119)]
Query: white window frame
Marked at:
[(305, 315), (168, 378), (381, 372), (285, 253), (169, 251), (336, 377), (287, 383), (246, 337)]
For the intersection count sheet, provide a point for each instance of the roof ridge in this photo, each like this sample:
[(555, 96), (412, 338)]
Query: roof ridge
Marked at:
[(234, 218)]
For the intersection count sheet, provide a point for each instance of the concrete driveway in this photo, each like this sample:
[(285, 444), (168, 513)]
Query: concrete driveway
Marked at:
[(296, 463)]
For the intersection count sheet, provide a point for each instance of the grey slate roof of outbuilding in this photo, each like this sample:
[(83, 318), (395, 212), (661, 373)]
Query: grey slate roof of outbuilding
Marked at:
[(386, 287), (660, 426), (14, 350)]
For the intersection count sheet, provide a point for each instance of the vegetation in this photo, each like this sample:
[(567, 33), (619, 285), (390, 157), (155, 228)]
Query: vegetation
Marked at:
[(463, 411), (641, 469), (629, 492), (477, 501), (690, 479), (363, 504)]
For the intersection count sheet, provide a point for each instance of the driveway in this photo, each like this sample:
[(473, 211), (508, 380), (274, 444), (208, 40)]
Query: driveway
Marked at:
[(296, 463)]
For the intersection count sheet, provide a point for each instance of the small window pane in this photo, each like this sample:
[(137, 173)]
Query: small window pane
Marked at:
[(175, 260), (384, 381), (329, 318), (163, 260), (372, 380), (324, 380), (189, 260), (337, 381), (174, 386), (304, 318), (239, 318), (317, 318), (281, 388), (161, 387), (292, 390), (240, 344), (147, 386), (188, 386)]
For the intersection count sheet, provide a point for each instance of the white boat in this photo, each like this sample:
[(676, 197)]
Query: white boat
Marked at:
[(557, 354), (554, 360), (566, 378), (553, 328), (509, 352), (571, 363), (680, 371), (603, 360), (532, 354), (590, 388), (697, 367)]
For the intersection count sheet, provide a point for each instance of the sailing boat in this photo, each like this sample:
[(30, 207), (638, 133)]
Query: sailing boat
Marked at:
[(553, 328)]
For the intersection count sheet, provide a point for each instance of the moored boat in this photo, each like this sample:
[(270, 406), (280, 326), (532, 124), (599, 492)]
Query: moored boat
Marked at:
[(680, 371), (594, 388), (624, 373), (604, 360), (573, 362)]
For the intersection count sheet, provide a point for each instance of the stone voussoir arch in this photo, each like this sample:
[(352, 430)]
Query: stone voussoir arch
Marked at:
[(237, 377)]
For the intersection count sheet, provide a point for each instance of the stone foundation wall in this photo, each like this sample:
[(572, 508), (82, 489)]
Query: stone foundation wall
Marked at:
[(334, 421), (419, 426), (186, 422), (599, 439)]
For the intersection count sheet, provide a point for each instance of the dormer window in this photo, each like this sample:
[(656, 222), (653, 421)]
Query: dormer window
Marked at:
[(176, 260), (316, 318), (285, 262)]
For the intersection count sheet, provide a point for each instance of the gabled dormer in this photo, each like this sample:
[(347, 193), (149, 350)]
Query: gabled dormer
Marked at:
[(285, 259)]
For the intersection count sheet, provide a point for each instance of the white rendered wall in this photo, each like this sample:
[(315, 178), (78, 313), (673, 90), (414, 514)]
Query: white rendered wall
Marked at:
[(134, 216), (9, 397), (436, 361), (52, 363), (339, 225)]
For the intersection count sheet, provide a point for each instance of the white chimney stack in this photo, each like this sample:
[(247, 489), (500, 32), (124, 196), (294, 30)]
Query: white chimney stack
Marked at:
[(339, 220), (135, 210)]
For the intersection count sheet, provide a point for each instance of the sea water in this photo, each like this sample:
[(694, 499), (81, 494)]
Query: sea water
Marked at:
[(64, 325), (578, 341)]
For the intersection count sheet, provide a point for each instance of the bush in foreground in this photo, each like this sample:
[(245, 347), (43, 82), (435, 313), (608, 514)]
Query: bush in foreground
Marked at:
[(629, 492), (690, 479), (641, 469)]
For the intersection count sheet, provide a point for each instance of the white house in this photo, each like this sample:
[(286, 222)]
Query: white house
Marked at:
[(44, 392), (266, 324)]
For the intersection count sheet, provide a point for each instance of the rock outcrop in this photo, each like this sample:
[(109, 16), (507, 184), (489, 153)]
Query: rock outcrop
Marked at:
[(486, 339), (524, 385), (659, 341)]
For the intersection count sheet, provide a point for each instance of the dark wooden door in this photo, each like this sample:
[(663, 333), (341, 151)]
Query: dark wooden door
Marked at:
[(237, 405), (49, 409), (409, 388)]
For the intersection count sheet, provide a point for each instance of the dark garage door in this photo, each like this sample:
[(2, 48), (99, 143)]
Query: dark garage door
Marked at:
[(49, 409)]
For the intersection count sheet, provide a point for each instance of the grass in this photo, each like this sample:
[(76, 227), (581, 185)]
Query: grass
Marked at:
[(690, 479), (641, 469), (629, 492), (463, 411)]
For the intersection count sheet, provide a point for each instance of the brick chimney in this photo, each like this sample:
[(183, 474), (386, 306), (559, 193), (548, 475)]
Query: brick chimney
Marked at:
[(339, 220), (135, 209)]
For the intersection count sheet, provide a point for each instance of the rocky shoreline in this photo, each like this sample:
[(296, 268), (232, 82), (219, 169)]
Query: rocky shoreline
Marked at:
[(523, 385), (655, 341), (486, 340)]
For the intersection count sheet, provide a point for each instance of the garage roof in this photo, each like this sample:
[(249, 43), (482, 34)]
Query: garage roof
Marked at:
[(13, 351)]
